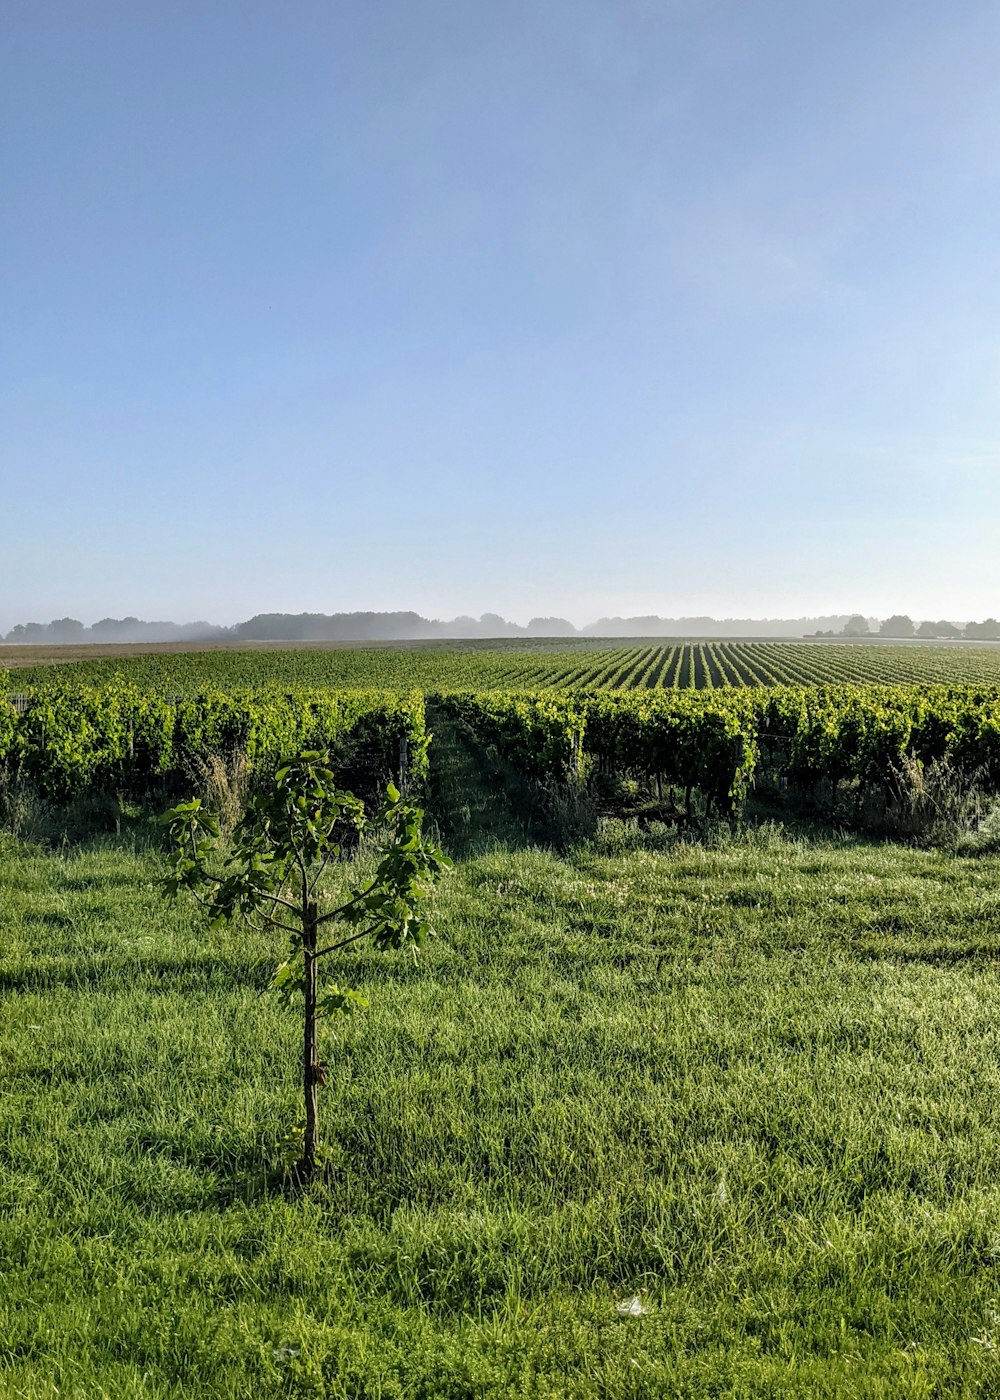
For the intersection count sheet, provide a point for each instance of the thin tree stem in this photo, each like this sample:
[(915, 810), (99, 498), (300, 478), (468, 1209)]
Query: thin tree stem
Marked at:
[(310, 1066)]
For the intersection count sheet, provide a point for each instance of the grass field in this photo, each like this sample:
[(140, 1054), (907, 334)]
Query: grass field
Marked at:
[(753, 1081)]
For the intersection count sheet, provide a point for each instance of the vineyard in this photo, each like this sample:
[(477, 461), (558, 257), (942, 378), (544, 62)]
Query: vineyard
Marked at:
[(124, 738), (584, 666), (718, 742)]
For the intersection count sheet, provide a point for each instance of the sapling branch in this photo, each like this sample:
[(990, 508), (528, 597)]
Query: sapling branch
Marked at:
[(276, 923), (335, 947), (328, 856), (285, 903), (342, 909), (300, 862)]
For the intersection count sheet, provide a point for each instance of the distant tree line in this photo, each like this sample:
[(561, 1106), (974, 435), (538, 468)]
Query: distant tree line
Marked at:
[(410, 626), (69, 631), (899, 625)]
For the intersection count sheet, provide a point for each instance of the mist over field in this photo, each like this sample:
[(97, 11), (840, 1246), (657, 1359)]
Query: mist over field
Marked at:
[(410, 626)]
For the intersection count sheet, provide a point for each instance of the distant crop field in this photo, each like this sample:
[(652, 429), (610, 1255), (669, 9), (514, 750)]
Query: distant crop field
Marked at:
[(518, 664)]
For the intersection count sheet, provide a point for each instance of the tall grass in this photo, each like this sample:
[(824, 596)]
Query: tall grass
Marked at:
[(754, 1084)]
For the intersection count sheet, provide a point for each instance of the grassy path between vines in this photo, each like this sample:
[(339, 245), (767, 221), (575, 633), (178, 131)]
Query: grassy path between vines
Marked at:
[(756, 1085), (473, 800)]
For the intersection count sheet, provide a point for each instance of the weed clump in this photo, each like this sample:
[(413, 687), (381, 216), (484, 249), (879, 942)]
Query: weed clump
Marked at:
[(934, 804)]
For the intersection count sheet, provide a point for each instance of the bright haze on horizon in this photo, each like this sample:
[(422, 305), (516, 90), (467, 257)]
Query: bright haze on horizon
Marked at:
[(586, 308)]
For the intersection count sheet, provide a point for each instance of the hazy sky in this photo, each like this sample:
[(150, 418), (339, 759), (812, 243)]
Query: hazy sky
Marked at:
[(558, 306)]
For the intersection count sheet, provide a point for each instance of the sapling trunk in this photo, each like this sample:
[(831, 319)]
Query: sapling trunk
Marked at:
[(310, 1064)]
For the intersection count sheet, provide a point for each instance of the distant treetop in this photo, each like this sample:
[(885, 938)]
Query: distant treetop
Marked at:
[(856, 626), (899, 625)]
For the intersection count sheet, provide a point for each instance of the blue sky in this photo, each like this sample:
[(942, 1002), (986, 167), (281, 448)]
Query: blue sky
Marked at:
[(535, 306)]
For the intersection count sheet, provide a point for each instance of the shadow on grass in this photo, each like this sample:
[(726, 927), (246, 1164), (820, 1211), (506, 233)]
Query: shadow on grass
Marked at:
[(940, 956), (231, 1168), (89, 821), (158, 976), (92, 884), (47, 919)]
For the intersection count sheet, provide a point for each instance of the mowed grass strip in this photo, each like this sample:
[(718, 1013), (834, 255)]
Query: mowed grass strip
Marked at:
[(754, 1084)]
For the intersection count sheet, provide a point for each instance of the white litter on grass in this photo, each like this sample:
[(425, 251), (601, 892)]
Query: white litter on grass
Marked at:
[(285, 1353), (632, 1307), (988, 1339), (722, 1191)]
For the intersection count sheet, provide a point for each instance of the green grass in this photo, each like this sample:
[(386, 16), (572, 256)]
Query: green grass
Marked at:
[(755, 1082)]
